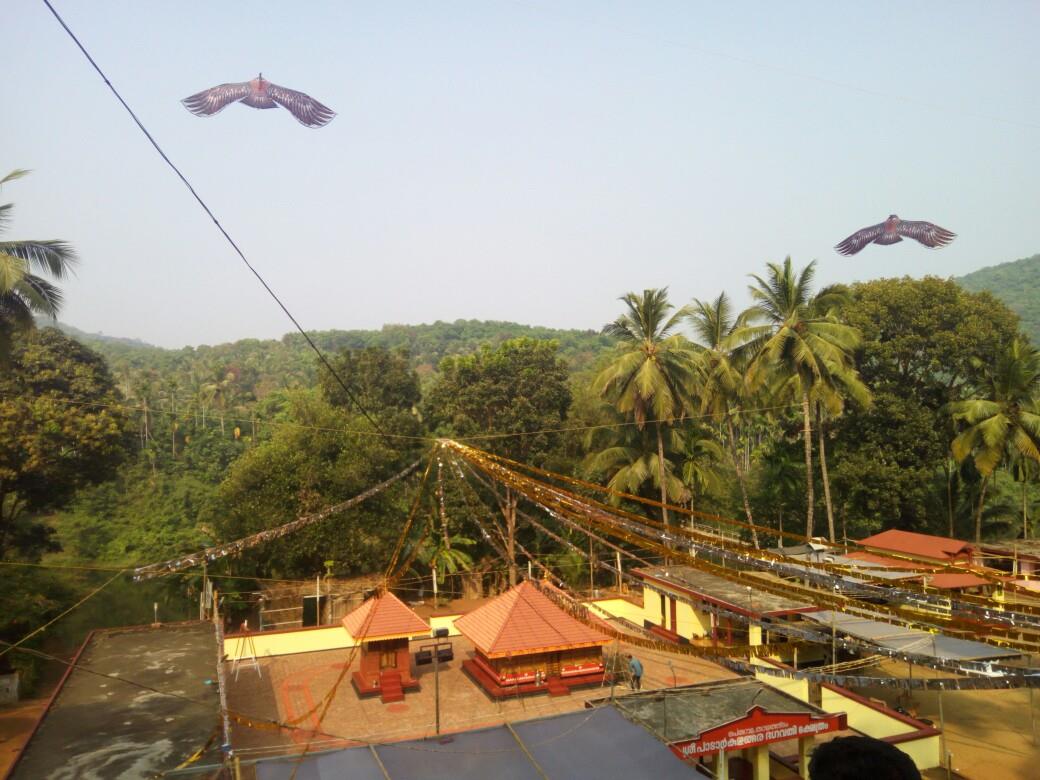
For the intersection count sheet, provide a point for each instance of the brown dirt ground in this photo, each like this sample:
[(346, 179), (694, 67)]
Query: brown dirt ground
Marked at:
[(989, 733)]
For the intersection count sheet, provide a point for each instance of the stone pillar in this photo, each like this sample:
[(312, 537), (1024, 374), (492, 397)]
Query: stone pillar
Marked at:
[(760, 762), (804, 747)]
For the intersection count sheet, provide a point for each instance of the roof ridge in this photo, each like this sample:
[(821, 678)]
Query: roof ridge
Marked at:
[(509, 613), (542, 617)]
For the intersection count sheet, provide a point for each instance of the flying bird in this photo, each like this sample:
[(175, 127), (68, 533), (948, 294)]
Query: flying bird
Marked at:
[(260, 93), (892, 231)]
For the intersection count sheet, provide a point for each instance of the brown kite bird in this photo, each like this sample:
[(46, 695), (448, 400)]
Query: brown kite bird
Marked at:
[(260, 93), (892, 231)]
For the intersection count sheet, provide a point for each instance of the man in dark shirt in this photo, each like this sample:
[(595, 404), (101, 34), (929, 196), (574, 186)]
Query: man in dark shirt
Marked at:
[(635, 668)]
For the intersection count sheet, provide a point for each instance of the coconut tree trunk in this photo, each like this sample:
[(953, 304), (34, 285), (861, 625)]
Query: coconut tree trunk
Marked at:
[(510, 518), (978, 511), (1025, 511), (660, 474), (949, 495), (810, 497), (741, 479), (823, 473)]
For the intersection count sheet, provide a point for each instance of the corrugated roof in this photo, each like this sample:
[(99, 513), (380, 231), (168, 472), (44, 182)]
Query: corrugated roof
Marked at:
[(910, 640), (724, 592), (583, 745), (924, 545), (390, 618), (523, 620)]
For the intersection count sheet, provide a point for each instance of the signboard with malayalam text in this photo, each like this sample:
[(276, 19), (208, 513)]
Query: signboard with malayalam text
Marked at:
[(759, 727)]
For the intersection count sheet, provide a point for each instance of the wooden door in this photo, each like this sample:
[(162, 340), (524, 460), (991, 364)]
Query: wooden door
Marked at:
[(553, 666), (675, 624)]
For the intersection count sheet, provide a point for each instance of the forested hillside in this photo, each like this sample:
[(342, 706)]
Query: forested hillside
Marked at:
[(262, 366), (1017, 284)]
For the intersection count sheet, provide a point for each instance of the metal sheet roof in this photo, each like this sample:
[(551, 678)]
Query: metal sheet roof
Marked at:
[(911, 640), (723, 591), (584, 745)]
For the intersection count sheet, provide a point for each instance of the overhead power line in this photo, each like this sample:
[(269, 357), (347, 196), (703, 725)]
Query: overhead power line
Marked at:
[(212, 216)]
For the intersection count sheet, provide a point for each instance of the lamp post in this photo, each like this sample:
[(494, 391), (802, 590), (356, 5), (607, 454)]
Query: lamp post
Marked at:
[(438, 633)]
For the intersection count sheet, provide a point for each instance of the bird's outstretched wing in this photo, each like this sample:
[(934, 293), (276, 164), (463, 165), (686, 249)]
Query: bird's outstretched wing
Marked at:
[(860, 239), (306, 109), (215, 99), (927, 233)]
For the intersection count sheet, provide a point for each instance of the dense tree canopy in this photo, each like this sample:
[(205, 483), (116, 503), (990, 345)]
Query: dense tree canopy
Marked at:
[(59, 431), (924, 342)]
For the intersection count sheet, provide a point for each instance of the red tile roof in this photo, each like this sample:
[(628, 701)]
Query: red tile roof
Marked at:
[(922, 545), (954, 581), (390, 618), (523, 621)]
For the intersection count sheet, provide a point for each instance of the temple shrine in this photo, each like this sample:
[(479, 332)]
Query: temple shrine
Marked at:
[(382, 626), (524, 643)]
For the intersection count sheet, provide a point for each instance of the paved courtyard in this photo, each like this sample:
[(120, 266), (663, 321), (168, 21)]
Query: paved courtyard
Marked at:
[(292, 685)]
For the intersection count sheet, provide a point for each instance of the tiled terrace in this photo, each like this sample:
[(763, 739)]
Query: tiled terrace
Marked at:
[(293, 684)]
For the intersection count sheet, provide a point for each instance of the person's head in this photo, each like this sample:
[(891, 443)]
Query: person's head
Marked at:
[(861, 758)]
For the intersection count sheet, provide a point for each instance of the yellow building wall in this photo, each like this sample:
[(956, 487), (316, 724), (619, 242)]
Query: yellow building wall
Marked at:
[(690, 622), (445, 621), (926, 752), (311, 640), (864, 719), (797, 688), (288, 642), (651, 606), (619, 608)]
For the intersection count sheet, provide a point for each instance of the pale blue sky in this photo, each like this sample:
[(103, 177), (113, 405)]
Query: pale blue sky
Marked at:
[(513, 160)]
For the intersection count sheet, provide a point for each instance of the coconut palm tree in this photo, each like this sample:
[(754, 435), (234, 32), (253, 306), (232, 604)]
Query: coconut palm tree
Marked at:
[(22, 292), (630, 460), (720, 339), (650, 377), (445, 555), (799, 347), (1025, 472), (1002, 420)]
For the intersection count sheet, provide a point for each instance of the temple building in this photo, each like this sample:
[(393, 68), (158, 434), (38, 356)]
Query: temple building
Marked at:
[(382, 626), (524, 643), (736, 728)]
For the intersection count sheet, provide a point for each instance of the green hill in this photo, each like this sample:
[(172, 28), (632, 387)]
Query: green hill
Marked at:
[(1017, 284), (261, 366)]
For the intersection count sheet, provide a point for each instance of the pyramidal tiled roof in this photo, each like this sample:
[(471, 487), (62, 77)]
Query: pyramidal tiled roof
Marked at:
[(384, 617), (522, 621)]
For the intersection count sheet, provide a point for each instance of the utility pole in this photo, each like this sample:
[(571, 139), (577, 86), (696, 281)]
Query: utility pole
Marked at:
[(592, 580), (439, 633), (317, 599), (942, 736), (617, 560)]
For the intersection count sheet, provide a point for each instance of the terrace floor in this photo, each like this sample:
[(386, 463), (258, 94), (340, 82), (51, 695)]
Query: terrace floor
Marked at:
[(290, 686)]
